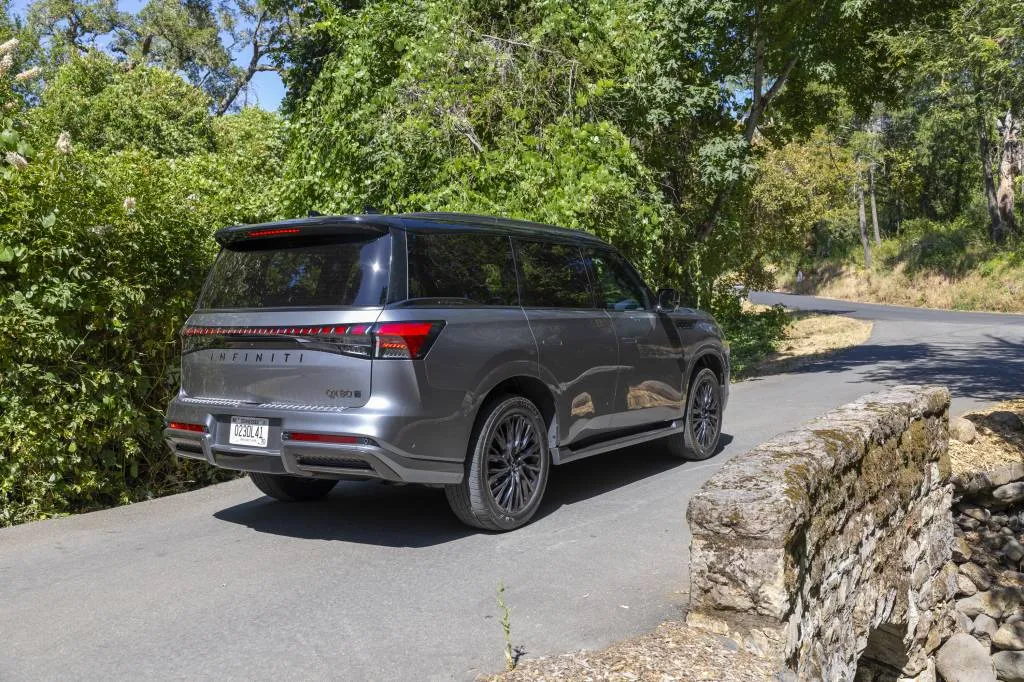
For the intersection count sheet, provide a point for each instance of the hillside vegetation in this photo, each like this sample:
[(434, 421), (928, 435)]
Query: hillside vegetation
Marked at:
[(931, 265)]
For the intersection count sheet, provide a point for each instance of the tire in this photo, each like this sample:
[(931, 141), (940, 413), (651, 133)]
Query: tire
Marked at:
[(703, 427), (292, 488), (514, 427)]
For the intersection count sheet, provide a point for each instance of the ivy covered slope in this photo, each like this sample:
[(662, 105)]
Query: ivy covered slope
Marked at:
[(112, 184)]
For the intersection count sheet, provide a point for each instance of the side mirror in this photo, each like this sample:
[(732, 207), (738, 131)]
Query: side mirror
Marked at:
[(668, 300)]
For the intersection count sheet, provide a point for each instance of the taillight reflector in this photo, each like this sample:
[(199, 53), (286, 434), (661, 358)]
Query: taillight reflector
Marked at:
[(182, 426), (324, 438)]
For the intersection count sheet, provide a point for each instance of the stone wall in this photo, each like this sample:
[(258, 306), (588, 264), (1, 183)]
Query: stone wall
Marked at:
[(828, 547), (989, 551)]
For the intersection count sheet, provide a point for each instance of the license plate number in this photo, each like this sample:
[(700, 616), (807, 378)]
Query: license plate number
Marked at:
[(250, 431)]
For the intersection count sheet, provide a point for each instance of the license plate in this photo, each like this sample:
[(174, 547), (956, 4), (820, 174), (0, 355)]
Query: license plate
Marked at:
[(250, 431)]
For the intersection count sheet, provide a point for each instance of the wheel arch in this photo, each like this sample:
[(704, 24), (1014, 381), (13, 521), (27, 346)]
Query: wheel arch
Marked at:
[(534, 390)]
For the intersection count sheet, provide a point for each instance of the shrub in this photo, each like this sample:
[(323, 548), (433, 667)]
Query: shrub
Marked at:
[(101, 258)]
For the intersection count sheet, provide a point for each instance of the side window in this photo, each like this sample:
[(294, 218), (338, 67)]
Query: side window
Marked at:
[(461, 267), (553, 275), (618, 285)]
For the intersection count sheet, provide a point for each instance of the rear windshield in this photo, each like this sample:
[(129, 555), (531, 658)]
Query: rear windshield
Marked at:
[(310, 272)]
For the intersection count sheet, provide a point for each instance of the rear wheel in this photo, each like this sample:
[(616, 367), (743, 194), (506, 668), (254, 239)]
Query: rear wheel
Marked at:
[(292, 488), (703, 428), (507, 468)]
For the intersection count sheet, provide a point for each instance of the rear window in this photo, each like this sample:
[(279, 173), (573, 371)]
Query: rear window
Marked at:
[(303, 272), (554, 276), (461, 268)]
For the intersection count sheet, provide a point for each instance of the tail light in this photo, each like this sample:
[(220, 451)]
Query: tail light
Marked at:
[(182, 426), (384, 340), (405, 340)]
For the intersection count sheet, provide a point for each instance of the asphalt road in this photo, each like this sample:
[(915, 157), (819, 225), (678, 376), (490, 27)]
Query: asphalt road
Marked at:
[(380, 582)]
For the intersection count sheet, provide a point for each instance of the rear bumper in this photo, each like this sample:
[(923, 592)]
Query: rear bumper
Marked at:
[(377, 459)]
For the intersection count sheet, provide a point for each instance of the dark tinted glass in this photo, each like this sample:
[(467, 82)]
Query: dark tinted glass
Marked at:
[(553, 276), (461, 268), (618, 285), (300, 273)]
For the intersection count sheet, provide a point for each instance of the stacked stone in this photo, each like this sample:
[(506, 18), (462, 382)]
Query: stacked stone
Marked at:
[(828, 547), (988, 549)]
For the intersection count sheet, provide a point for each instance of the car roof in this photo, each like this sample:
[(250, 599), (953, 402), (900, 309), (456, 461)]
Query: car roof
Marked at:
[(424, 222)]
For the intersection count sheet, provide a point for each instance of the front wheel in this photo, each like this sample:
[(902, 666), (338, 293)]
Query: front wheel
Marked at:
[(292, 488), (703, 428), (507, 467)]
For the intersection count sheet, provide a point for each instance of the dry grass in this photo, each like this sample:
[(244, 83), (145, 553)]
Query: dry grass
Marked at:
[(1003, 293), (1000, 439), (672, 653), (810, 337)]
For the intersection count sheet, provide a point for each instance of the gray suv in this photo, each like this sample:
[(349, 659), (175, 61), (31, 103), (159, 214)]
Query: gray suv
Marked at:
[(458, 351)]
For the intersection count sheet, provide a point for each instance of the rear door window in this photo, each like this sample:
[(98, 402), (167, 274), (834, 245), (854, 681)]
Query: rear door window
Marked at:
[(316, 272), (553, 275), (461, 268)]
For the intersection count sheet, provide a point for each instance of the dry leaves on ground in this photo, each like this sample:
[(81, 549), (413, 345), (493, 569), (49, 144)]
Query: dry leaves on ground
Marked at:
[(672, 653), (1000, 439)]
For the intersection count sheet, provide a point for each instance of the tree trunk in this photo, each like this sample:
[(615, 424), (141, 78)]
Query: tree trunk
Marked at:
[(863, 222), (1009, 169), (996, 230), (874, 206)]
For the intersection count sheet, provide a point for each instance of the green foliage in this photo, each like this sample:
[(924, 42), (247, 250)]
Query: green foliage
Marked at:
[(102, 254), (417, 113), (106, 108), (753, 336)]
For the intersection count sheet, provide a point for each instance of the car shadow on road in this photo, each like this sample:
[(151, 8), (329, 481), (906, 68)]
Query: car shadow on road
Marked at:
[(414, 516), (990, 370)]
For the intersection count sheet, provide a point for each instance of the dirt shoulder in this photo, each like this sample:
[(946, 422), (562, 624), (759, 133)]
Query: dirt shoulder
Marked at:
[(807, 338), (672, 653), (992, 438)]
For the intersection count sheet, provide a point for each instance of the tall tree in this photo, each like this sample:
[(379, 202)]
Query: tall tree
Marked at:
[(792, 57), (198, 39), (971, 65)]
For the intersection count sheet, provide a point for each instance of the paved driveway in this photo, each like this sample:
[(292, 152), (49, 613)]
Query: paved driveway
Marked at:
[(380, 582)]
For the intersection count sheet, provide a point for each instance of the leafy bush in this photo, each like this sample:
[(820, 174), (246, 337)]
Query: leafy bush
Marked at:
[(101, 258), (107, 108), (951, 248), (753, 335)]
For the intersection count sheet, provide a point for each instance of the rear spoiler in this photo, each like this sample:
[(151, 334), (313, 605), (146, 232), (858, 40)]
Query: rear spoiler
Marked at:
[(318, 226)]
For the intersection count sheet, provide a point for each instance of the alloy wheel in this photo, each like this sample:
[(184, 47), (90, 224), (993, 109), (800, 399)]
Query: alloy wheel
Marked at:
[(705, 414), (514, 463)]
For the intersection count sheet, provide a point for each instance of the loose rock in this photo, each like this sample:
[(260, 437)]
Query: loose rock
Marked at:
[(1011, 493), (962, 430), (993, 603), (1013, 550), (976, 574), (961, 550), (1005, 474), (1009, 665), (984, 628), (1009, 637), (964, 586), (974, 511), (964, 659)]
